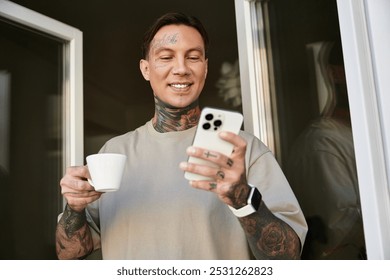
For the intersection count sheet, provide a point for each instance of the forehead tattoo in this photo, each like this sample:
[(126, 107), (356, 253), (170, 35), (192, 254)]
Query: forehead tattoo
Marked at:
[(167, 39)]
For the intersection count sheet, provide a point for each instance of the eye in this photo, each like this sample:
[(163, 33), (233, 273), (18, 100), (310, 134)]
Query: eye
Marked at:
[(165, 57), (193, 58)]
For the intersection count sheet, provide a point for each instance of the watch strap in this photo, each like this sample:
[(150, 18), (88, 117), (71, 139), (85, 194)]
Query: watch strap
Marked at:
[(253, 203)]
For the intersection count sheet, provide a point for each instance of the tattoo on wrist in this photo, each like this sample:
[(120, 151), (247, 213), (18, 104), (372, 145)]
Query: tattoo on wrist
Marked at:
[(239, 195), (73, 221)]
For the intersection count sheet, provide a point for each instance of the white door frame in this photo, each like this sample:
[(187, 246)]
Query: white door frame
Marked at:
[(364, 28), (254, 75), (73, 73)]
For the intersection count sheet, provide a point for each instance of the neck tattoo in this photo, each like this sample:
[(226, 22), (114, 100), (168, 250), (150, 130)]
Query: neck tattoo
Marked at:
[(168, 118)]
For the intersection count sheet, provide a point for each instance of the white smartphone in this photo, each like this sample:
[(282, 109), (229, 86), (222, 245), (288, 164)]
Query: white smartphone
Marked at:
[(211, 122)]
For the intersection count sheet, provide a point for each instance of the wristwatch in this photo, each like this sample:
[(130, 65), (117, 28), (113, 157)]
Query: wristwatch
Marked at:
[(253, 201)]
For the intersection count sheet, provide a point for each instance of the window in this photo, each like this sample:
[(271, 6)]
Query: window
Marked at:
[(41, 126), (284, 48)]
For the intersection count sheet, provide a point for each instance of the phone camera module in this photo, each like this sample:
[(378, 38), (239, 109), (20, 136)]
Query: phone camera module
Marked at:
[(217, 123), (209, 117), (206, 126)]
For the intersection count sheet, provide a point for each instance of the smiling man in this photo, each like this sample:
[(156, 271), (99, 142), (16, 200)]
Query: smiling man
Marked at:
[(156, 214), (176, 65)]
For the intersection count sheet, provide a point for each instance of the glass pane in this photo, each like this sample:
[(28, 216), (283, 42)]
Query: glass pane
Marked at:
[(30, 142), (317, 152)]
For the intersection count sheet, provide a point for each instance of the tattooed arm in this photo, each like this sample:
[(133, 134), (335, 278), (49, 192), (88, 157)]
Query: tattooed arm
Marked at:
[(73, 236), (269, 237)]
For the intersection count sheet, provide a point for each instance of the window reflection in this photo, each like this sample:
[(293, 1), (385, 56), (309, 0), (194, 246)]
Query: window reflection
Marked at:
[(322, 170), (312, 126)]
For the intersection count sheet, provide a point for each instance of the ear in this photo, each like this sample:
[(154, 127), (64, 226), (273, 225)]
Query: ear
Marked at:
[(144, 67)]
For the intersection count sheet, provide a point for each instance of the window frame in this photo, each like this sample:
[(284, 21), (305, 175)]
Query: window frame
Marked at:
[(365, 38), (256, 80), (72, 38)]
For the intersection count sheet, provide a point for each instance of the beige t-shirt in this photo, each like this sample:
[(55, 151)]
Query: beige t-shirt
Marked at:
[(156, 214)]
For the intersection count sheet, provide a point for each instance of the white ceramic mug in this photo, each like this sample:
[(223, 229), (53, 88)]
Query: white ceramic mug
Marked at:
[(106, 170)]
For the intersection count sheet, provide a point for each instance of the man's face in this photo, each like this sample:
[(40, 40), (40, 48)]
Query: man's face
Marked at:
[(176, 66)]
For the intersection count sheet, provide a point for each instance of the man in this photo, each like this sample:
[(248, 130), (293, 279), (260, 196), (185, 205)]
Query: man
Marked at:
[(155, 214)]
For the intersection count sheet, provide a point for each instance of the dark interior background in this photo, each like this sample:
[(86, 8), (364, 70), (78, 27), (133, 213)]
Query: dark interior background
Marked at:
[(30, 198), (116, 97)]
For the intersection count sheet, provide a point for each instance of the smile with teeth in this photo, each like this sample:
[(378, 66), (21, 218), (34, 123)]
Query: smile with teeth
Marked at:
[(180, 86)]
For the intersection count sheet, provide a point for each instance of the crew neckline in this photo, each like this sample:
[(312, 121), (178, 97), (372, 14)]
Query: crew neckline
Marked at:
[(170, 134)]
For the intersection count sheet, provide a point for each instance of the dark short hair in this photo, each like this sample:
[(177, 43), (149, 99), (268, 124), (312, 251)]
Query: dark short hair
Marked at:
[(169, 19)]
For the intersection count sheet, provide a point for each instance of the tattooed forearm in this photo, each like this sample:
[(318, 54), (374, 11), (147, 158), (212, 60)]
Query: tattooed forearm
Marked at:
[(269, 237), (72, 221), (73, 237)]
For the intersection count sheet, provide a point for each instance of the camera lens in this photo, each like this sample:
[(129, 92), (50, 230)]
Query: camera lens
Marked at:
[(206, 126), (209, 117), (218, 123)]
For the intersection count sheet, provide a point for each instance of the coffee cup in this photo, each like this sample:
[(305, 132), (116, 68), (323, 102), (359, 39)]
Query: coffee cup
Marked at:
[(106, 170)]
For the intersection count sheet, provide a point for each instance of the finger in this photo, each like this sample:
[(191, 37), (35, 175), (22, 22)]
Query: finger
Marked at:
[(81, 202), (203, 153), (238, 142), (220, 174), (203, 170), (81, 193), (215, 157), (78, 171), (218, 158), (74, 184), (212, 186), (205, 185)]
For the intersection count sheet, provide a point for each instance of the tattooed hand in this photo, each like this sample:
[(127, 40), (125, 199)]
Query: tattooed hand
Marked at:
[(73, 237), (229, 176), (268, 236)]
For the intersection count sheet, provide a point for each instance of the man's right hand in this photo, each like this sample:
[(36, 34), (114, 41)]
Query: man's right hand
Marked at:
[(76, 189)]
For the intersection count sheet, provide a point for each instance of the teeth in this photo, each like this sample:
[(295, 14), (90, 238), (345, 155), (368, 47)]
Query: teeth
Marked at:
[(179, 85)]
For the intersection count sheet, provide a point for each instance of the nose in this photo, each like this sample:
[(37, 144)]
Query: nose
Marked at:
[(180, 67)]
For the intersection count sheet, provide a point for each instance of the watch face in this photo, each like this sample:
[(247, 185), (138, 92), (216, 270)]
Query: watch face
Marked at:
[(256, 199), (253, 205)]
